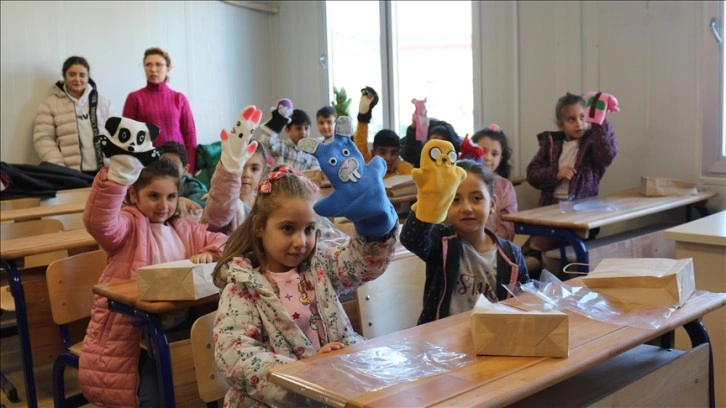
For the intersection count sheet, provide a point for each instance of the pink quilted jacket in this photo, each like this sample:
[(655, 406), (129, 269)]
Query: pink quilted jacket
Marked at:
[(108, 371)]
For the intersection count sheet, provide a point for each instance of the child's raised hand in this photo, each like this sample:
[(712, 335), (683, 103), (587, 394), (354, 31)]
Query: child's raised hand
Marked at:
[(436, 181), (332, 346), (236, 146), (368, 100), (566, 172), (202, 258)]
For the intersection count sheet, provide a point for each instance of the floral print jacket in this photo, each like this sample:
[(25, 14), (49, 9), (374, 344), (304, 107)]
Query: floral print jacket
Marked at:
[(254, 332)]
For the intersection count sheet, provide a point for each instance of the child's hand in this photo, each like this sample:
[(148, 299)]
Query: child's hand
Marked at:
[(368, 100), (189, 208), (567, 172), (332, 346), (436, 181), (204, 257), (236, 146)]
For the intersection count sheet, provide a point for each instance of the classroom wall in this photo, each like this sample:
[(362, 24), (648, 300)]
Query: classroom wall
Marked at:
[(527, 54), (221, 58)]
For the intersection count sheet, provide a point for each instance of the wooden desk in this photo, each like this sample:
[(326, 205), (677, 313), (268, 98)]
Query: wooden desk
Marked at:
[(489, 380), (18, 248), (32, 213), (123, 298), (574, 226), (704, 240)]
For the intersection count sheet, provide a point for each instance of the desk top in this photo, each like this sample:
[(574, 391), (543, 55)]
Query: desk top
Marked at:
[(32, 213), (603, 211), (709, 230), (490, 380), (126, 292), (39, 244)]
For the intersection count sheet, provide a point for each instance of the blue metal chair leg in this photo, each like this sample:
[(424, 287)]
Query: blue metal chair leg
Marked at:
[(9, 389), (16, 288)]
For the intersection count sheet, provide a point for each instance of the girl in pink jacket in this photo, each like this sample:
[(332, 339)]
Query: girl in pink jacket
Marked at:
[(146, 231)]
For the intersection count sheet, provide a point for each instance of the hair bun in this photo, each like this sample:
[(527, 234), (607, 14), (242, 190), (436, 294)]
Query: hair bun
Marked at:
[(494, 127)]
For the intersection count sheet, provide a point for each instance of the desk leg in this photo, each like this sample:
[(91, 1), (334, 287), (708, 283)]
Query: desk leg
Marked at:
[(698, 335), (16, 288), (581, 254), (158, 346)]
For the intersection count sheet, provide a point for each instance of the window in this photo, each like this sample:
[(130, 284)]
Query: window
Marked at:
[(404, 50), (713, 139)]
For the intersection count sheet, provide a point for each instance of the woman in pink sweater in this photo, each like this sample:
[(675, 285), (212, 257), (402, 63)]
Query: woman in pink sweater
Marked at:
[(158, 104)]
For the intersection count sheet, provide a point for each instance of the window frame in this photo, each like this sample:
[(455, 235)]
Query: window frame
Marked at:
[(712, 169)]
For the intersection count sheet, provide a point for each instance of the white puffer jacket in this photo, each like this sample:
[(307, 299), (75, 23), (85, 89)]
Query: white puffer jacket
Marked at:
[(55, 135)]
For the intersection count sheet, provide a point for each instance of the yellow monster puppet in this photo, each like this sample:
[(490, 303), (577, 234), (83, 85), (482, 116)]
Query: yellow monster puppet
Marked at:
[(437, 181)]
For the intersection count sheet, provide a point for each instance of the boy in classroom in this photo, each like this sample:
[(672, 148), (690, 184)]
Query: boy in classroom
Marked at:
[(284, 149), (386, 143), (325, 119), (113, 369), (280, 282), (191, 190), (446, 228)]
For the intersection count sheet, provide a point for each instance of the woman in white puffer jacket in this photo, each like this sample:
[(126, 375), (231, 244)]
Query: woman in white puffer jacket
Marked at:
[(69, 120)]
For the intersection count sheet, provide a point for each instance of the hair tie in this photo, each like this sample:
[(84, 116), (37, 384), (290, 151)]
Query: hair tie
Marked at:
[(494, 127), (265, 186)]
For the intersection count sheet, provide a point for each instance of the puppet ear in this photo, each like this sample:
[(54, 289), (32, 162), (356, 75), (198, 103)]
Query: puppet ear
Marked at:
[(153, 130), (112, 124), (308, 145)]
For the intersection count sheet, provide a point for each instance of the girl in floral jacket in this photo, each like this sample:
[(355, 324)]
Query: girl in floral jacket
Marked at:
[(281, 284)]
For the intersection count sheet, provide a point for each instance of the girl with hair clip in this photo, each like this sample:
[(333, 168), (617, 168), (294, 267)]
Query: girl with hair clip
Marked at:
[(496, 154), (280, 287), (113, 369), (446, 228)]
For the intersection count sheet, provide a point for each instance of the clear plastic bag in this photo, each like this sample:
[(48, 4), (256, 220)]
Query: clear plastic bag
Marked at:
[(588, 205), (551, 293), (379, 367)]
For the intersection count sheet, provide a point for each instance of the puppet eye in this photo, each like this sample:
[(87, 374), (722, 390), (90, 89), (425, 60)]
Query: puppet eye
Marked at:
[(346, 152), (124, 135), (452, 156), (140, 137), (434, 153), (333, 161)]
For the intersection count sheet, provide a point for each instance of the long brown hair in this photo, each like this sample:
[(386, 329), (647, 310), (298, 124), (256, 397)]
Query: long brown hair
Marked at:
[(244, 241)]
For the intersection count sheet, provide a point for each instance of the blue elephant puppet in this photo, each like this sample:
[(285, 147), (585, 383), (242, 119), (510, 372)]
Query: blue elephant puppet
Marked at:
[(358, 191)]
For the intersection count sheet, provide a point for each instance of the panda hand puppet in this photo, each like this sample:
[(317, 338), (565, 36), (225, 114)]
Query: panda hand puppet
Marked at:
[(128, 148), (358, 191), (129, 137)]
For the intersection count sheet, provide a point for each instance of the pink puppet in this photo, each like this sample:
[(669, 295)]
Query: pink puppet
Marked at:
[(421, 119), (597, 104)]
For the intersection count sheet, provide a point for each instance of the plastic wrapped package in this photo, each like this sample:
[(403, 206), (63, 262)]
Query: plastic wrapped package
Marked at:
[(551, 293)]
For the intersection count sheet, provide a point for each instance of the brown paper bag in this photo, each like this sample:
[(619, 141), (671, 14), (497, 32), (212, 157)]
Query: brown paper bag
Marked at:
[(178, 280), (501, 330), (644, 281), (660, 186)]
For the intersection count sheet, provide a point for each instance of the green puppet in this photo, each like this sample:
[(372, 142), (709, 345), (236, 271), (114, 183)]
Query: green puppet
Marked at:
[(341, 102)]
